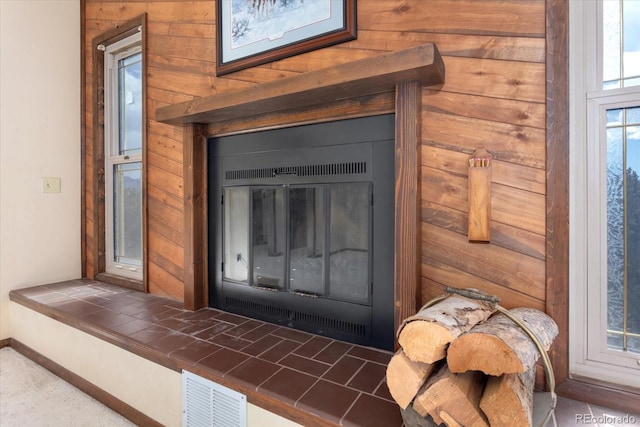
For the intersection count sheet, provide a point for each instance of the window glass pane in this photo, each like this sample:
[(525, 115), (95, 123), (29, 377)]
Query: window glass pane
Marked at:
[(349, 228), (268, 231), (633, 143), (127, 213), (633, 229), (615, 237), (615, 117), (631, 26), (306, 240), (632, 82), (130, 104), (620, 43), (623, 229), (611, 43), (236, 233), (633, 118)]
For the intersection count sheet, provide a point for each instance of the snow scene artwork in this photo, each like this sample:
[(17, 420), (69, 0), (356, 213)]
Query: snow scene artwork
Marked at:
[(255, 20), (265, 30)]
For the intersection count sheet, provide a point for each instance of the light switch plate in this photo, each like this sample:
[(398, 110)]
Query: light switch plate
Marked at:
[(51, 185)]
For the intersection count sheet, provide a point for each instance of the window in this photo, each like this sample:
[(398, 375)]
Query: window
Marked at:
[(605, 186), (123, 147)]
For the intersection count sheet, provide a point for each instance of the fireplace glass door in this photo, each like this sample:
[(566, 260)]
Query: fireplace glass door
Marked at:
[(307, 240), (301, 227)]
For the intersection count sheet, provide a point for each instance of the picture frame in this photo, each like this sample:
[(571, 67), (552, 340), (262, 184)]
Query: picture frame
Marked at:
[(254, 32)]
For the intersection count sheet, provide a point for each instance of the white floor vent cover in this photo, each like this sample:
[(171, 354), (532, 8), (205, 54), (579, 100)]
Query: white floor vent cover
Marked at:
[(207, 404)]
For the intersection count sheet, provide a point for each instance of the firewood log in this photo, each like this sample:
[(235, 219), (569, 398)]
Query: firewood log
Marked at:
[(499, 346), (425, 336), (455, 397), (405, 377), (508, 399)]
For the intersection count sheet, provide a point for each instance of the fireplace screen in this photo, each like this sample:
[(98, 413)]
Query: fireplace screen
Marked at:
[(304, 230)]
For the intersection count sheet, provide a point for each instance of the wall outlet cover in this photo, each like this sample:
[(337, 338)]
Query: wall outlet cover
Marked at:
[(51, 185)]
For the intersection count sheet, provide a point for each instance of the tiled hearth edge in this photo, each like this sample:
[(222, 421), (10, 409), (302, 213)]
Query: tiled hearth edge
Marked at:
[(312, 380)]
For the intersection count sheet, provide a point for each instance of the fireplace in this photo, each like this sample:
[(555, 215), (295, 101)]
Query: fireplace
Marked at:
[(301, 227), (389, 82)]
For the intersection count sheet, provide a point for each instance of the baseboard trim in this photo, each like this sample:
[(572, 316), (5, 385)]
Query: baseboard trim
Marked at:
[(107, 399), (601, 395)]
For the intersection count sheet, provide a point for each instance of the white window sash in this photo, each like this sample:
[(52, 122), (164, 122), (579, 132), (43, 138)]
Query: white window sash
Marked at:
[(113, 53), (598, 104)]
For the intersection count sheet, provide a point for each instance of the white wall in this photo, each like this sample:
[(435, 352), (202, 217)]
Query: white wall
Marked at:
[(39, 137)]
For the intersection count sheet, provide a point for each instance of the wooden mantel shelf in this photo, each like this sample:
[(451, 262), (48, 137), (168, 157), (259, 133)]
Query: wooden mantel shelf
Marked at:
[(368, 76)]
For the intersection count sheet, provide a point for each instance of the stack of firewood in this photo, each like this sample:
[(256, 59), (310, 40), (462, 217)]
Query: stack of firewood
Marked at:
[(462, 363)]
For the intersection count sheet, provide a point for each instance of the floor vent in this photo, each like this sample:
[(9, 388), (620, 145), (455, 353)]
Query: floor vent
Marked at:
[(207, 404)]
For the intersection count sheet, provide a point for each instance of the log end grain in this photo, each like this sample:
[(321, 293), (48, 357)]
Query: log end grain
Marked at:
[(456, 396), (484, 353), (405, 378), (508, 400), (425, 342)]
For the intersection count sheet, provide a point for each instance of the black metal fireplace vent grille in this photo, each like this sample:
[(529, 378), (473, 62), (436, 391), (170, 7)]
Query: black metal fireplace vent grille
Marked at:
[(350, 168), (300, 320)]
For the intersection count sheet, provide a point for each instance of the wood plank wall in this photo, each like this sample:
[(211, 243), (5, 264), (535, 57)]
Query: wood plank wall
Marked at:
[(493, 98)]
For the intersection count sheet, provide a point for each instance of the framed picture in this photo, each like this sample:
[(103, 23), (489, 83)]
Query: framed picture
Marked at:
[(253, 32)]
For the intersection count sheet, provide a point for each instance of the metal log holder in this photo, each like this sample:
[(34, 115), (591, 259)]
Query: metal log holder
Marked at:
[(544, 402)]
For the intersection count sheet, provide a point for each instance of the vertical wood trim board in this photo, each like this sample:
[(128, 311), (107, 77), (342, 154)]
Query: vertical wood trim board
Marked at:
[(145, 161), (557, 200), (195, 251), (97, 160), (83, 141), (407, 251)]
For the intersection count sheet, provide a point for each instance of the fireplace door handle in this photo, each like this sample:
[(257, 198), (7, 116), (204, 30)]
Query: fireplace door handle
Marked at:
[(303, 294), (285, 172), (265, 288)]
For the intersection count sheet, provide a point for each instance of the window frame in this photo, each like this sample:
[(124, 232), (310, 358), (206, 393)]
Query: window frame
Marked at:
[(589, 358), (597, 105), (129, 46), (96, 254)]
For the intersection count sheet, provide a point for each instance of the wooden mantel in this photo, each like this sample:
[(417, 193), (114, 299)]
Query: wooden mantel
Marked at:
[(382, 73), (404, 72)]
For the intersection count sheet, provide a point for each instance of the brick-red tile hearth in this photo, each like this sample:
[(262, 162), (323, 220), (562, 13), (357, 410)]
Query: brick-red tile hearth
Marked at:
[(328, 381)]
